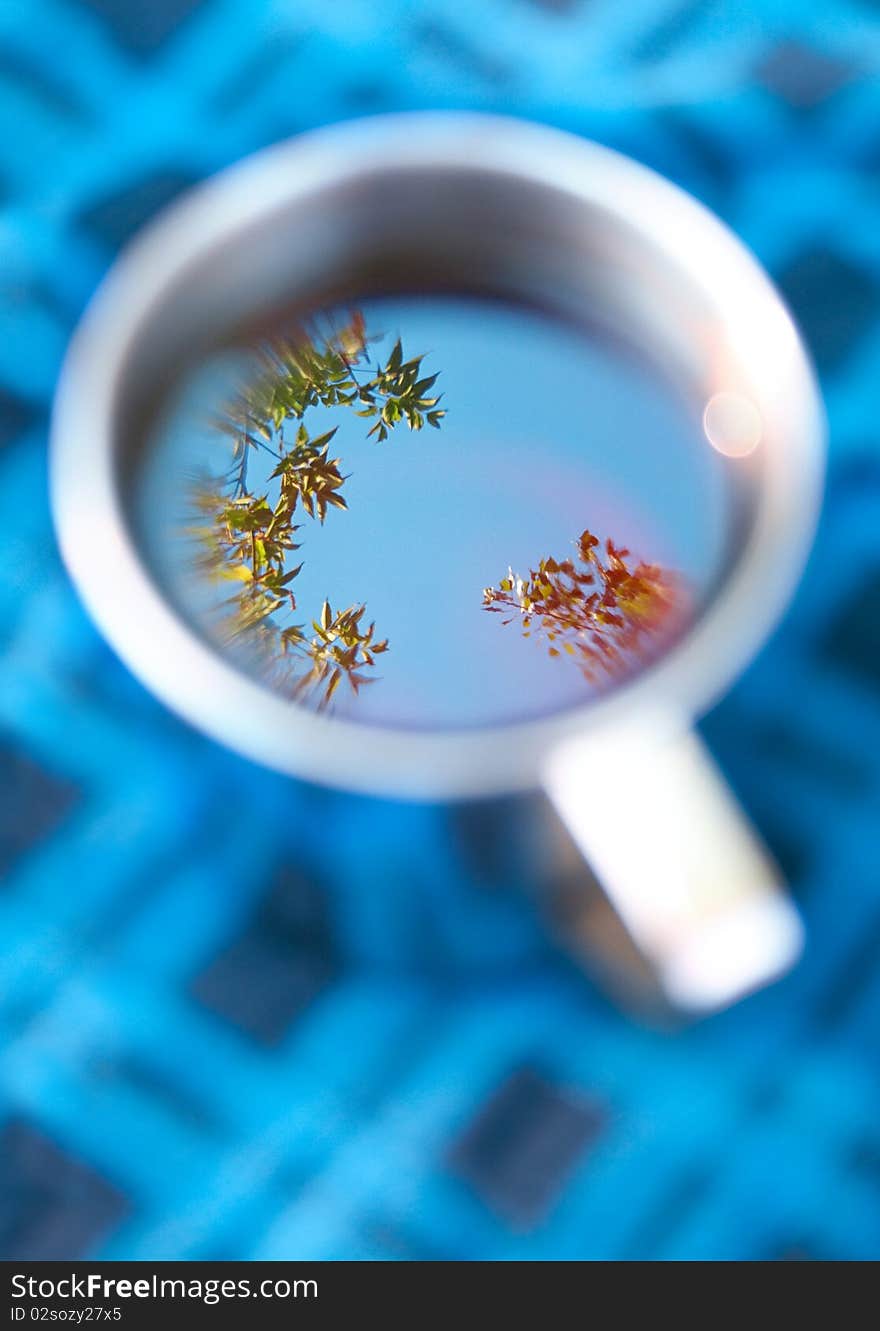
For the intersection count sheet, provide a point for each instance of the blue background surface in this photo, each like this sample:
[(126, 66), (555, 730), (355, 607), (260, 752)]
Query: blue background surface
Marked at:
[(221, 1044)]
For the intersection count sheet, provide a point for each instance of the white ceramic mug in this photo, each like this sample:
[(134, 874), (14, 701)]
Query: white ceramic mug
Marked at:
[(498, 205)]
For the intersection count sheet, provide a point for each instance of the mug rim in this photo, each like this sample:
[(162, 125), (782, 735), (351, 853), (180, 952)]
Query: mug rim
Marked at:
[(194, 680)]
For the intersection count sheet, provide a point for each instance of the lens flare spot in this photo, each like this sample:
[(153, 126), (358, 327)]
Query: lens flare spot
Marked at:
[(732, 424)]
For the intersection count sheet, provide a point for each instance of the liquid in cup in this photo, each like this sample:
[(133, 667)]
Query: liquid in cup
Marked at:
[(523, 510)]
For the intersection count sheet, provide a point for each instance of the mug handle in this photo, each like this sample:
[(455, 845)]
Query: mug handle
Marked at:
[(674, 853)]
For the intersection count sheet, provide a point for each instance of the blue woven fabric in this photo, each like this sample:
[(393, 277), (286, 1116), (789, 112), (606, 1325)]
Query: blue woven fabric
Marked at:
[(221, 1044)]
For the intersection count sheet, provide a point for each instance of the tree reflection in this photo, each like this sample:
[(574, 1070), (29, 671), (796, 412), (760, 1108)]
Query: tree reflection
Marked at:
[(596, 609), (600, 608), (247, 539)]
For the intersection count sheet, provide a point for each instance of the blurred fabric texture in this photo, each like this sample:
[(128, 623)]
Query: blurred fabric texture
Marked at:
[(245, 1018)]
